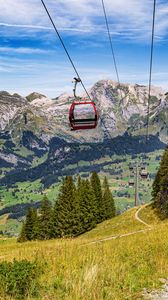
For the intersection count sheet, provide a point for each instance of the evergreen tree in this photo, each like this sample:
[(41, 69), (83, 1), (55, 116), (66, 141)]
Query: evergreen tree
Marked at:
[(160, 184), (45, 220), (161, 200), (87, 205), (30, 226), (99, 205), (79, 183), (22, 236), (108, 200), (162, 172), (66, 210)]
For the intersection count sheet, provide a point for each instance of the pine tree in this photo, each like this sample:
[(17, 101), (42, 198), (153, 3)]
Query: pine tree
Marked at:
[(161, 200), (22, 236), (163, 170), (79, 183), (99, 205), (66, 210), (108, 200), (160, 184), (30, 227), (87, 205), (45, 219)]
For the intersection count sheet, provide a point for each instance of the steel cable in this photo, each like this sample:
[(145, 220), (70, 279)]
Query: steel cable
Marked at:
[(66, 51)]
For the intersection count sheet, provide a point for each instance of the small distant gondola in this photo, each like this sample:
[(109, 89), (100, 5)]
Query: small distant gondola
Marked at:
[(82, 113), (131, 166), (144, 173), (131, 182), (143, 166)]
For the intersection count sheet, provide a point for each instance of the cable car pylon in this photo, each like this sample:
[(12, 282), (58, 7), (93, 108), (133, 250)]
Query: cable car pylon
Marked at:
[(138, 172)]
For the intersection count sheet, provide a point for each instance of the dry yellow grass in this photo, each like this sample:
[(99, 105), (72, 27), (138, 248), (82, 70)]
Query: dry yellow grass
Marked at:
[(3, 219), (111, 270), (122, 224)]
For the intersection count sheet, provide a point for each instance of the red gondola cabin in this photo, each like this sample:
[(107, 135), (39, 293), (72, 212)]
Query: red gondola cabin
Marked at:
[(83, 115)]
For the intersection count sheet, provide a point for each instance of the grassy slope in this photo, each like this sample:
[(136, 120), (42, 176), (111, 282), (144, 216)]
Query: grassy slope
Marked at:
[(118, 225), (115, 269)]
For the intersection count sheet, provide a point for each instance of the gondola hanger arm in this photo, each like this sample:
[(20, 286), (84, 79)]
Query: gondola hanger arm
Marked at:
[(76, 81)]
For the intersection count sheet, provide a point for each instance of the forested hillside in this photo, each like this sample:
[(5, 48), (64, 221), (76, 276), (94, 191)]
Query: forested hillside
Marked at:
[(160, 187)]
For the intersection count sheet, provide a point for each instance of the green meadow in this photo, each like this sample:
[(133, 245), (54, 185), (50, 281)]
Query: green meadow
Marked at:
[(133, 257)]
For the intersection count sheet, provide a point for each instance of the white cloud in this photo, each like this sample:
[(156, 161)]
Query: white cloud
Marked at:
[(20, 11), (26, 76), (131, 19), (26, 26), (23, 50), (40, 27)]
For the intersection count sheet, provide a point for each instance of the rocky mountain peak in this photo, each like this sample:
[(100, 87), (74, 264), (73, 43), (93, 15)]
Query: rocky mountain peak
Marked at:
[(122, 107), (15, 98), (34, 96), (4, 94)]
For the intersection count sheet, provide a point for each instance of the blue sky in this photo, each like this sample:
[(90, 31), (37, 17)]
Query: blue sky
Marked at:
[(32, 58)]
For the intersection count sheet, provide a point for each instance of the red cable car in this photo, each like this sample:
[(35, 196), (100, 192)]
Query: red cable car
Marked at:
[(82, 114)]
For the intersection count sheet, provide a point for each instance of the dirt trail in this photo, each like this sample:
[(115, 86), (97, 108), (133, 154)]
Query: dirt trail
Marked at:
[(139, 219), (154, 295), (149, 227), (118, 236)]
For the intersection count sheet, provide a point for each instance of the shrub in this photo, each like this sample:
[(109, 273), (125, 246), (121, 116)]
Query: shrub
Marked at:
[(19, 278)]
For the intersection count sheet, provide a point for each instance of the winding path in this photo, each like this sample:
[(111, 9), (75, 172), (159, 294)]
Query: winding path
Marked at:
[(149, 227), (138, 218)]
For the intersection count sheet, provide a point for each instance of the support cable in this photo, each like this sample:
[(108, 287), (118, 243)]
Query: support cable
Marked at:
[(110, 40), (66, 51), (150, 68)]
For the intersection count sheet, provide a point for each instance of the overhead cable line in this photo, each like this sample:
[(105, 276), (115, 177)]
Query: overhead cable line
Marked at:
[(150, 68), (115, 66), (111, 43), (62, 42)]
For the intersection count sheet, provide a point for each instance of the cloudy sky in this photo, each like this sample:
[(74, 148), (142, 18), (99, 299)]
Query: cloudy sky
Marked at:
[(32, 58)]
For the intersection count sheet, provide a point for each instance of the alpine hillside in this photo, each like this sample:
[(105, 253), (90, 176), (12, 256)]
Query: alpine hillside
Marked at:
[(36, 141), (122, 108)]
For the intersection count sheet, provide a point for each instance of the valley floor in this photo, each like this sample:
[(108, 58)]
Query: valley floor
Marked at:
[(116, 260)]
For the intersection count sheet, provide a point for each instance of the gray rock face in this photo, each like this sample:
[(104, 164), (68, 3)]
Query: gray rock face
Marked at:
[(11, 158), (157, 294), (10, 106), (121, 107)]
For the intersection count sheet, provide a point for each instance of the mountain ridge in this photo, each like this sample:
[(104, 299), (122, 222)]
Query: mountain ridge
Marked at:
[(37, 131), (118, 105)]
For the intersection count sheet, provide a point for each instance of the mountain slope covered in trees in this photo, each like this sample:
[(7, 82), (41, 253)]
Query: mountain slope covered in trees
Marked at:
[(78, 208), (160, 187)]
